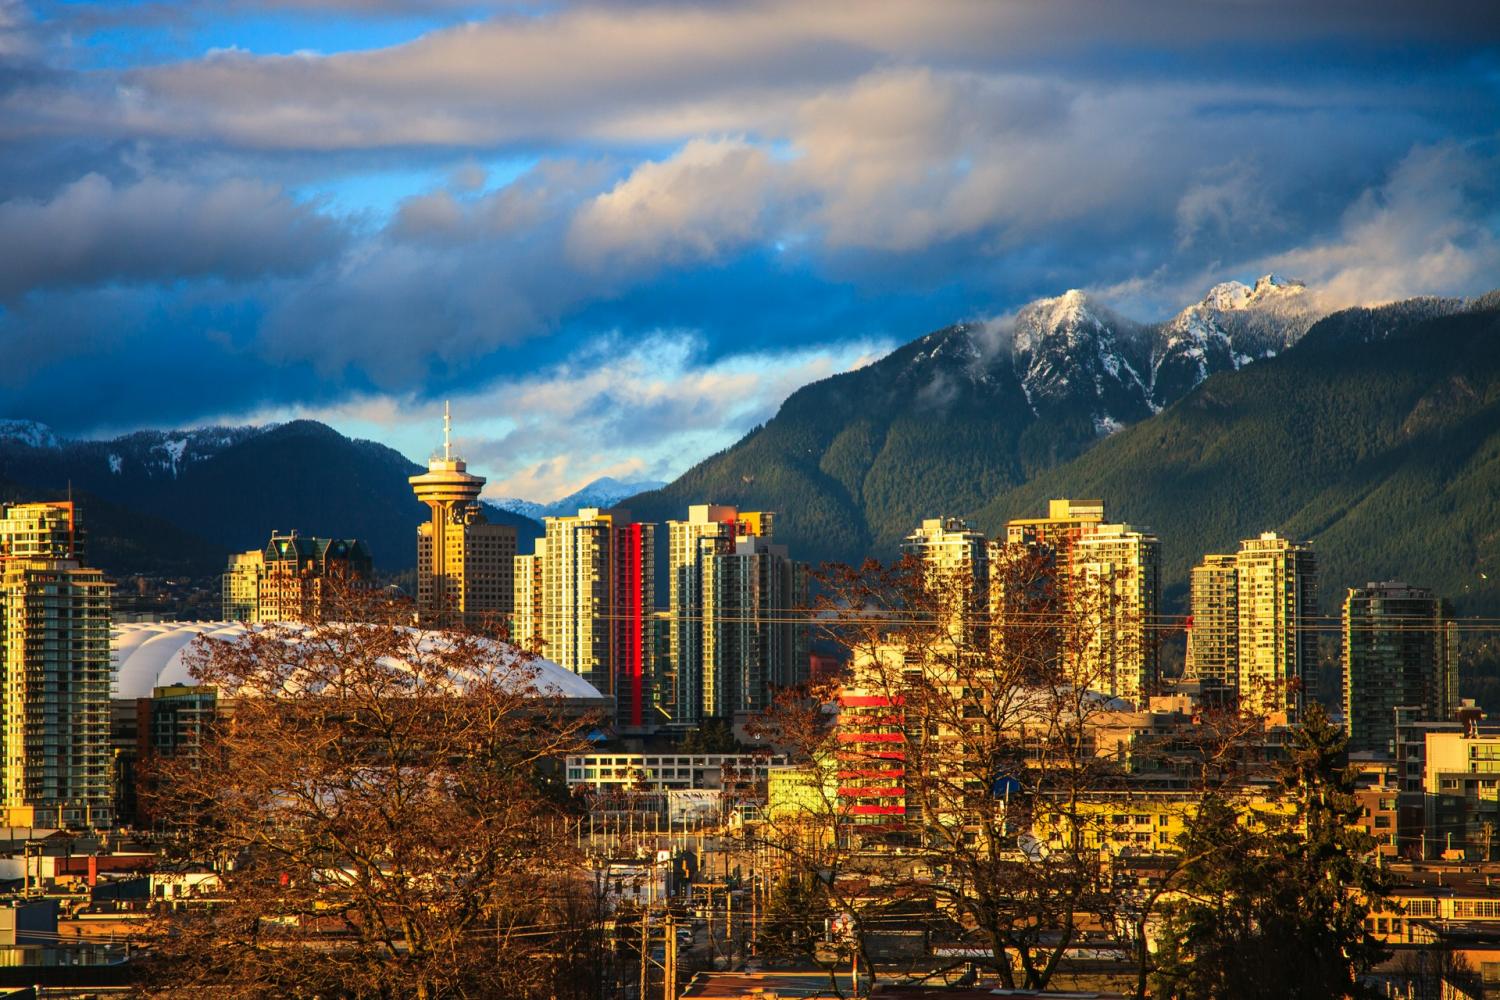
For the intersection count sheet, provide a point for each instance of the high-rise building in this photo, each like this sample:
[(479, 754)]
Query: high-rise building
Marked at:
[(294, 578), (55, 656), (241, 584), (753, 643), (708, 529), (1066, 521), (1273, 605), (1106, 588), (597, 590), (955, 570), (1400, 647), (465, 565), (478, 586), (1278, 610), (526, 608), (1117, 588), (46, 530), (1214, 636)]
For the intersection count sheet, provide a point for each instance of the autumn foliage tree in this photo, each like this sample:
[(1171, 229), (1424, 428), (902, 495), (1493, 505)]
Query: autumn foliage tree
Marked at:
[(966, 724), (372, 797)]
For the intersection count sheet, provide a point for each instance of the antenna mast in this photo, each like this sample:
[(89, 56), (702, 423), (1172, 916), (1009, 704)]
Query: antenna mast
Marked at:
[(447, 431)]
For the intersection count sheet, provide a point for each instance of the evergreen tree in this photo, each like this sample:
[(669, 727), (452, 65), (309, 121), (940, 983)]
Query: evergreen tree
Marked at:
[(795, 912), (1277, 912)]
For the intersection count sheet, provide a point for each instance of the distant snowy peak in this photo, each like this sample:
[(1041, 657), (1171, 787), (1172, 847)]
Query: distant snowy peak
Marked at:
[(156, 453), (606, 491), (30, 433), (149, 453), (1268, 288), (1074, 355), (1233, 325)]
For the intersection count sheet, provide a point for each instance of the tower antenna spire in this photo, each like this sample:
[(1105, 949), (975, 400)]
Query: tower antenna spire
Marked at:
[(447, 432)]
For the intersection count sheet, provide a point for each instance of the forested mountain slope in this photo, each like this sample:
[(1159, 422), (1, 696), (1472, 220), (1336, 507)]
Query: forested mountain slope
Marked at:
[(1377, 437)]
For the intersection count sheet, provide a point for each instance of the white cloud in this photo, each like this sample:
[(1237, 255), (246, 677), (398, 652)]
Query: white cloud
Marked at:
[(642, 408), (708, 199), (1419, 233)]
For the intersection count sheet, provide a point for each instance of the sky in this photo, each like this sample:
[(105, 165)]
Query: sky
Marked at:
[(617, 235)]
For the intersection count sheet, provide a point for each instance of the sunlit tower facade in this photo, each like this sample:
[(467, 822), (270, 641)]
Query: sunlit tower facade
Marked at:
[(1254, 623), (1106, 593), (1116, 588), (465, 565), (955, 571), (1213, 646), (598, 582), (708, 530), (55, 658)]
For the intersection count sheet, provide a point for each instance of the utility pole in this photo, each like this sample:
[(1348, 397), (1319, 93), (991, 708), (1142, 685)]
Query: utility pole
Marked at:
[(645, 949), (669, 980), (754, 911), (708, 908)]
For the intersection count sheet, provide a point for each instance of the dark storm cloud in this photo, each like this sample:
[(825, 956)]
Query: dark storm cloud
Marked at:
[(154, 230)]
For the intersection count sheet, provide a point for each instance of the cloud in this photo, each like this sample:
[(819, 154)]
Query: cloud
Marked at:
[(156, 230), (627, 407), (1422, 232), (668, 72), (708, 199), (767, 174)]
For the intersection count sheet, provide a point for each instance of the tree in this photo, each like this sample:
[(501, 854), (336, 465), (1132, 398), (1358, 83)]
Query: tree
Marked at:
[(1277, 912), (967, 723), (373, 799), (796, 908)]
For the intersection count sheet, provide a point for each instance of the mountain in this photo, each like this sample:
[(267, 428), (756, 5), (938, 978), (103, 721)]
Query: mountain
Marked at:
[(606, 491), (226, 489), (1372, 431), (1377, 437), (946, 422), (1233, 325)]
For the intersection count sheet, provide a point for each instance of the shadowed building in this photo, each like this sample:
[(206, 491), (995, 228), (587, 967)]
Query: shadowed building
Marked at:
[(688, 692), (1400, 648)]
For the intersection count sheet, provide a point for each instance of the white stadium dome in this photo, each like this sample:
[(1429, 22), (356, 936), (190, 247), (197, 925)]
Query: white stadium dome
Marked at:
[(150, 654)]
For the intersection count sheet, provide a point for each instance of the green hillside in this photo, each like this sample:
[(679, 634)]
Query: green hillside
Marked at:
[(1385, 454), (850, 463)]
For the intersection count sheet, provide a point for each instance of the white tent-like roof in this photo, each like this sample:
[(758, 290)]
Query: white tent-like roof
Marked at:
[(150, 654)]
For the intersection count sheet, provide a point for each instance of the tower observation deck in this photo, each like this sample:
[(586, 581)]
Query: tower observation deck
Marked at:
[(449, 491)]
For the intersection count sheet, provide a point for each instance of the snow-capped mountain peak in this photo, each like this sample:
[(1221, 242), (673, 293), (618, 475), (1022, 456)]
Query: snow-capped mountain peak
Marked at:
[(31, 433), (1071, 353), (606, 491), (1233, 325)]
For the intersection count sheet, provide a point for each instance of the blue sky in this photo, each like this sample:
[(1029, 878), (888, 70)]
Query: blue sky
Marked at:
[(617, 235)]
